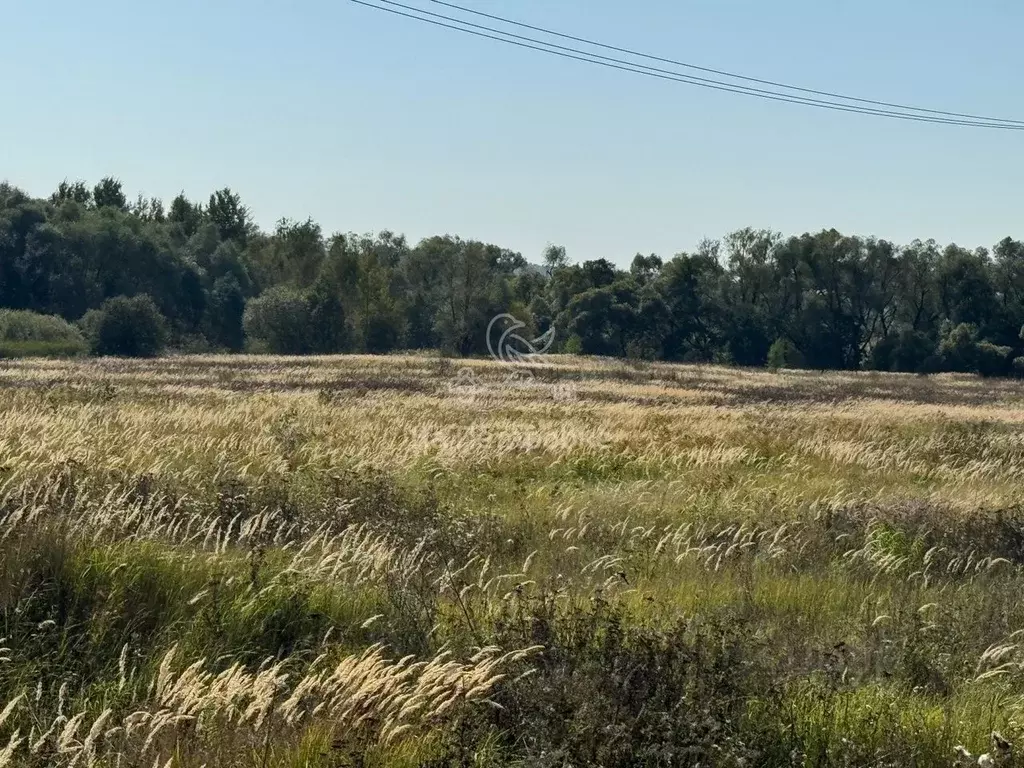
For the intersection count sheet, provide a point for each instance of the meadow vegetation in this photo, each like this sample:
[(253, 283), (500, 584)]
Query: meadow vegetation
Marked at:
[(416, 561), (27, 334)]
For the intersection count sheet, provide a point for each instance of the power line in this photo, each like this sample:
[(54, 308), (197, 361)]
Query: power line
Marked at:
[(720, 72), (642, 69), (593, 58), (645, 69)]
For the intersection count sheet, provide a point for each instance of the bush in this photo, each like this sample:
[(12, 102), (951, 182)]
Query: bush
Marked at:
[(993, 359), (959, 347), (609, 692), (932, 364), (907, 351), (641, 349), (16, 349), (89, 325), (22, 325), (280, 321), (28, 334), (912, 350), (126, 327), (784, 354), (1018, 367), (881, 356), (194, 344), (383, 333), (961, 351), (573, 345)]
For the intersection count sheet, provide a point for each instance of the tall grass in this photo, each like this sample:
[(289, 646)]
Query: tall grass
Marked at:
[(362, 561)]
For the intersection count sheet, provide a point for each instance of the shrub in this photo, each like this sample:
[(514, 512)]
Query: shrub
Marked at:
[(962, 351), (993, 359), (89, 325), (959, 347), (194, 344), (641, 349), (573, 345), (280, 321), (28, 334), (382, 334), (783, 353), (880, 357), (1018, 367), (22, 325), (906, 351), (913, 348), (126, 327), (609, 692), (932, 364), (17, 349)]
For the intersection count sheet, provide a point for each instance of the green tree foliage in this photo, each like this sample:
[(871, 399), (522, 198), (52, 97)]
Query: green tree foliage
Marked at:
[(227, 213), (127, 327), (692, 289), (329, 331), (186, 215), (76, 192), (961, 350), (783, 353), (279, 321), (224, 312), (906, 351), (366, 273), (293, 255), (109, 193), (959, 347), (994, 359), (148, 209), (555, 258), (845, 302)]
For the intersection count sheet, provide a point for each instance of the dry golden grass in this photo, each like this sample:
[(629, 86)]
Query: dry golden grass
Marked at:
[(333, 510)]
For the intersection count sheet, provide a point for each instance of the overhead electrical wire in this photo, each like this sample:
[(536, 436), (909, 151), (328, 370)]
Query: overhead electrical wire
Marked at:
[(569, 52), (719, 72), (615, 63)]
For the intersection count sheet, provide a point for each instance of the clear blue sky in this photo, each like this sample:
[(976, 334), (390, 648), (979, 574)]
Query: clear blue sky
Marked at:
[(366, 121)]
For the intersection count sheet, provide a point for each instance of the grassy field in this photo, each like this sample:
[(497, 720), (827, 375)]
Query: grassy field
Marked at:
[(413, 561)]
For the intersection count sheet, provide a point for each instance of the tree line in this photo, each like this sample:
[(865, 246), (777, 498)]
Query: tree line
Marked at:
[(88, 267)]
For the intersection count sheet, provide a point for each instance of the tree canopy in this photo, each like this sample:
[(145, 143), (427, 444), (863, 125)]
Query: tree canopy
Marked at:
[(216, 281)]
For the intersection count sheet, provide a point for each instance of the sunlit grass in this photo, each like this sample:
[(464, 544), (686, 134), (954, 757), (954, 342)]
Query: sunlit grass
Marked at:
[(790, 569)]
